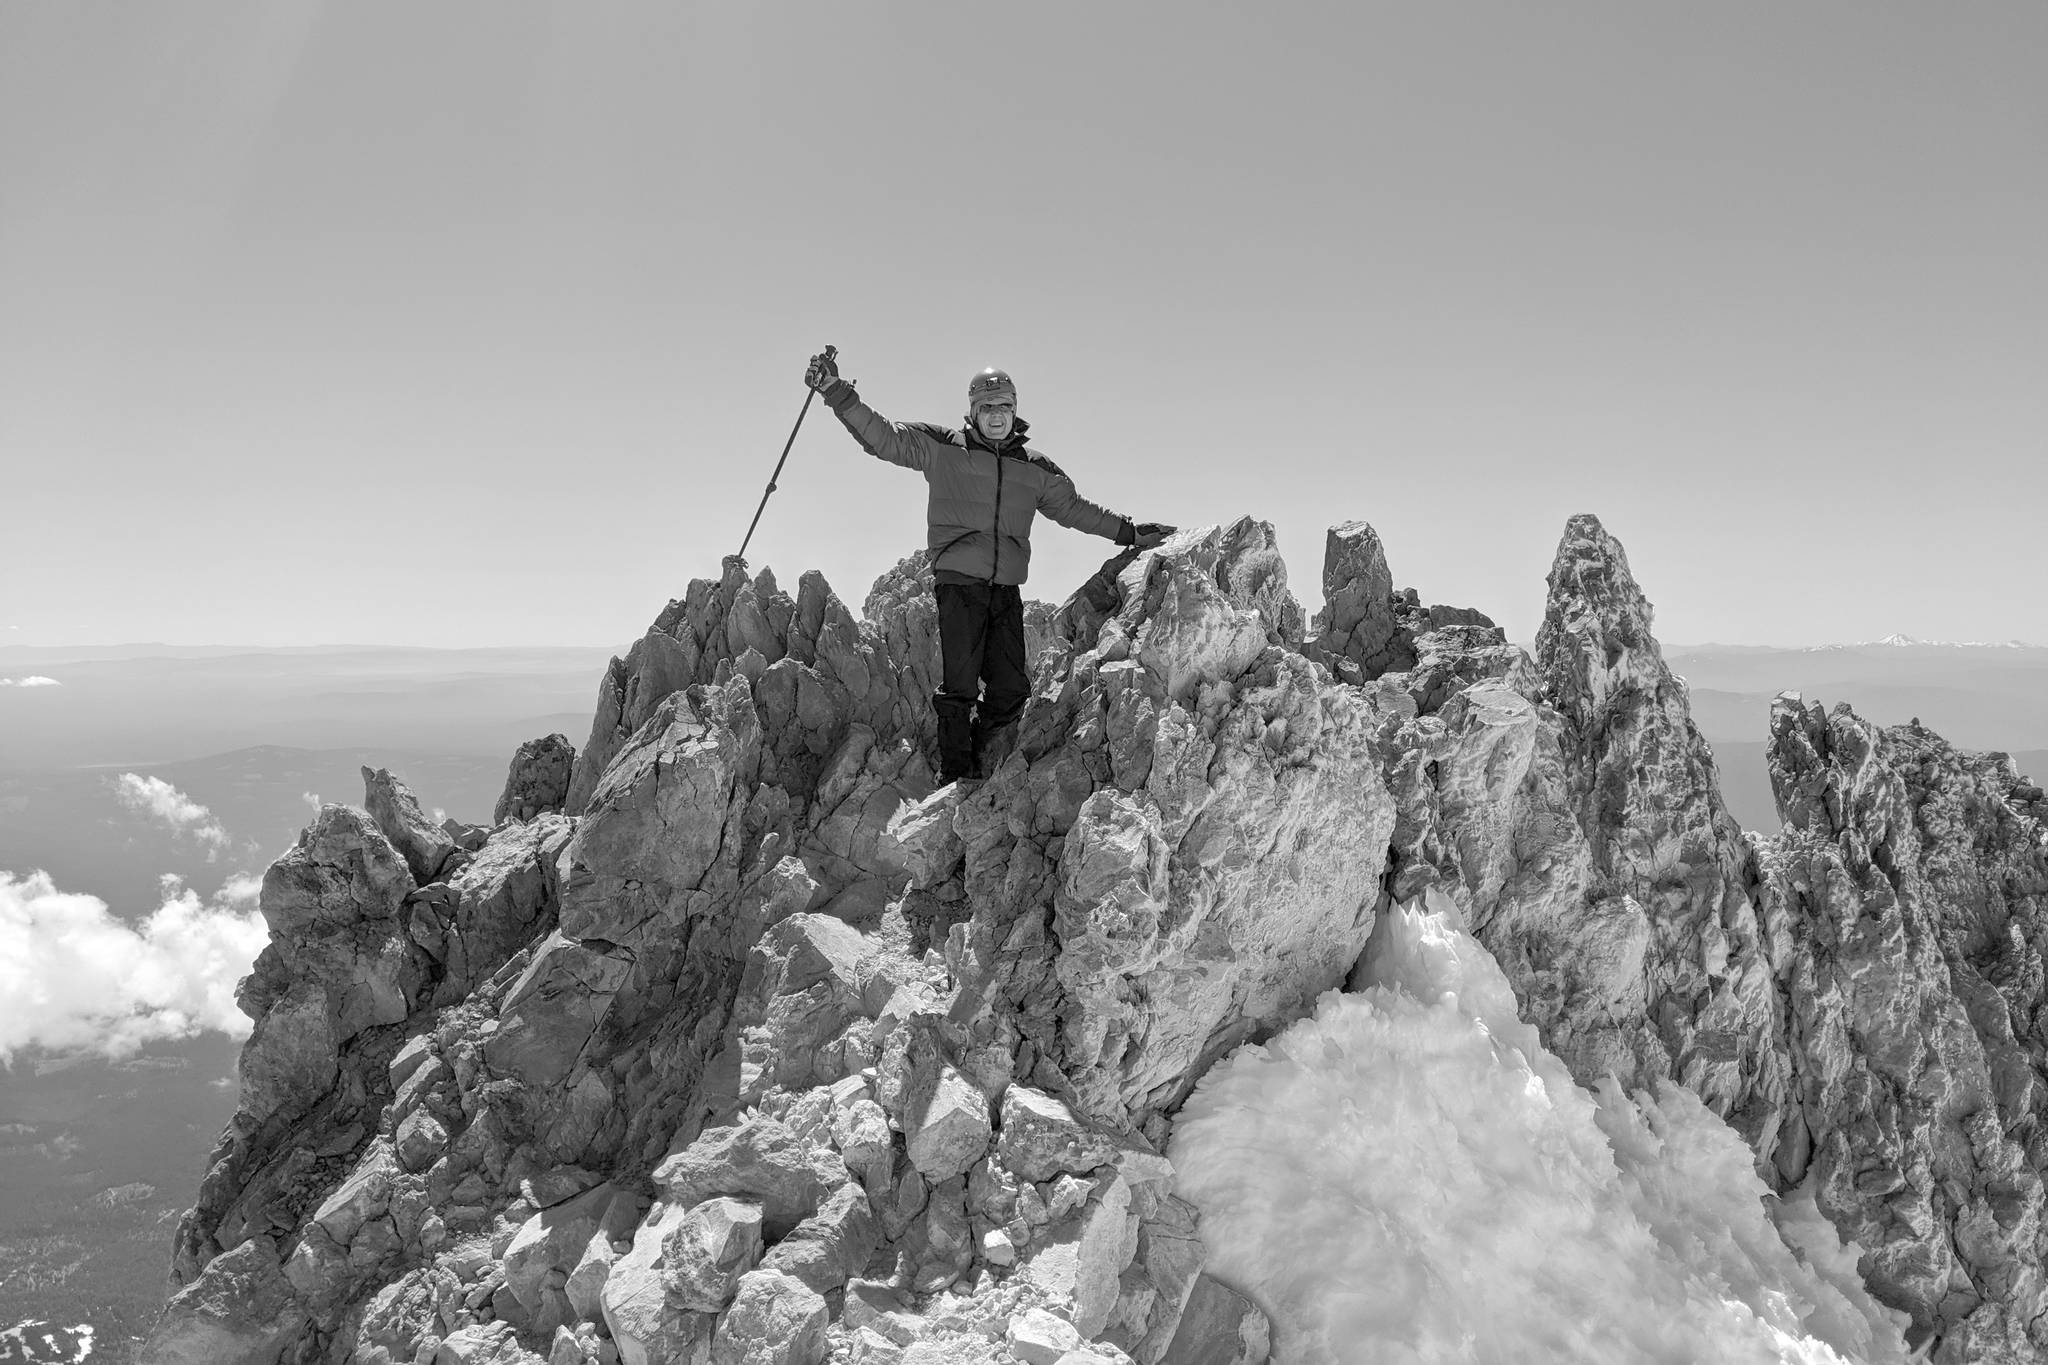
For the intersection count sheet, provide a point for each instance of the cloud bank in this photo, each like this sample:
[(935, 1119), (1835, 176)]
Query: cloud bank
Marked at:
[(164, 803), (32, 680), (74, 978)]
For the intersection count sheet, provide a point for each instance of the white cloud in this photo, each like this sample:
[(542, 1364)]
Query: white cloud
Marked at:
[(158, 799), (32, 680), (312, 799), (74, 978), (240, 891)]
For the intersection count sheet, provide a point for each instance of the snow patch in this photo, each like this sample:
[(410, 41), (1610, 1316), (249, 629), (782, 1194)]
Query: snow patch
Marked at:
[(1410, 1176), (36, 1342)]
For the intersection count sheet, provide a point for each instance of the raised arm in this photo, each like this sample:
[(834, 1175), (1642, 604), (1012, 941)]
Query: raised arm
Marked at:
[(896, 442)]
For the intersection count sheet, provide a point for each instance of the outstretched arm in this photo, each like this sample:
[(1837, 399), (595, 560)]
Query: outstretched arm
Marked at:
[(1062, 502), (878, 436), (1065, 505)]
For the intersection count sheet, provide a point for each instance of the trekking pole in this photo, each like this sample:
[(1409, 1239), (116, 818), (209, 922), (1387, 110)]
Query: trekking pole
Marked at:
[(831, 353)]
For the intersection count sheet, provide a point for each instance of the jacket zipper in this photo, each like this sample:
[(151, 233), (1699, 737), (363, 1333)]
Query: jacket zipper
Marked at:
[(995, 561)]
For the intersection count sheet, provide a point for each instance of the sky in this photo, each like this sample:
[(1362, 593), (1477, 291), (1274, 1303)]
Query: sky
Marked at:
[(473, 323)]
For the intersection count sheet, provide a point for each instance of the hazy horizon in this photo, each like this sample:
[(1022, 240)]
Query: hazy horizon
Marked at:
[(343, 646)]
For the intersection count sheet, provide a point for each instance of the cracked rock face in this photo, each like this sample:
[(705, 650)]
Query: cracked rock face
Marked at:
[(537, 782), (1203, 816), (1572, 811), (1911, 893), (734, 1040), (1670, 874)]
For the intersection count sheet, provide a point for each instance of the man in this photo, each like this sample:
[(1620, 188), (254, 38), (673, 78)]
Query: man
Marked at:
[(986, 486)]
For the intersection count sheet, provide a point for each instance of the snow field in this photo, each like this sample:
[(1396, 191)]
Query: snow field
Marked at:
[(1409, 1176)]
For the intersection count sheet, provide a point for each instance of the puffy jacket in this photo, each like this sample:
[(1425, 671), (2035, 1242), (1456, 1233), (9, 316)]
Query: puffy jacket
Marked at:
[(983, 498)]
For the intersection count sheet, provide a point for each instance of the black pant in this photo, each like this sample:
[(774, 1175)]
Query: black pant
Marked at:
[(981, 648)]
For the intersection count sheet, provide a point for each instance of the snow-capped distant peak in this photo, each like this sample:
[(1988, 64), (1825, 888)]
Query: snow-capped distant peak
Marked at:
[(1900, 640)]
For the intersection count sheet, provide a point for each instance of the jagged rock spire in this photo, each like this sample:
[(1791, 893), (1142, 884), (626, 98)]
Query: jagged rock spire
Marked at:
[(1595, 644), (1671, 871)]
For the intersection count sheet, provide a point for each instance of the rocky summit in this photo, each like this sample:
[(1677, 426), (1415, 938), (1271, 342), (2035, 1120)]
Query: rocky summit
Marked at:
[(732, 1040)]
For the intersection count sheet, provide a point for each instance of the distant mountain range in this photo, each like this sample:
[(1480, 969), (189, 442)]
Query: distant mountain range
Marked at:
[(1893, 641), (1979, 696), (1908, 642)]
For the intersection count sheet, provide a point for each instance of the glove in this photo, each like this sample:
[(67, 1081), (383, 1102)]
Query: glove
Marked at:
[(822, 370), (1148, 534)]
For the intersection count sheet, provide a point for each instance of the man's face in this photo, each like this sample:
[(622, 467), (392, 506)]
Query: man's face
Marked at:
[(994, 420)]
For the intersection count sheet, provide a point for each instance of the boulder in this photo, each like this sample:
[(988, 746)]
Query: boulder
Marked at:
[(1040, 1137), (860, 1130), (940, 1247), (1039, 1338), (553, 1009), (757, 1159), (537, 782), (634, 1298), (240, 1311), (1220, 1326), (775, 1319), (338, 960), (870, 1306), (551, 1244), (832, 1245), (420, 1139), (653, 833), (946, 1125), (496, 905), (489, 1343), (364, 1195), (1076, 1264), (1153, 1289), (921, 840), (1357, 627), (708, 1250), (806, 980), (425, 846)]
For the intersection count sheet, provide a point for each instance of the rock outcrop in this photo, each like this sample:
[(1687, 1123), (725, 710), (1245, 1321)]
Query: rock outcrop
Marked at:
[(1909, 891), (734, 1040), (1670, 874), (537, 782)]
